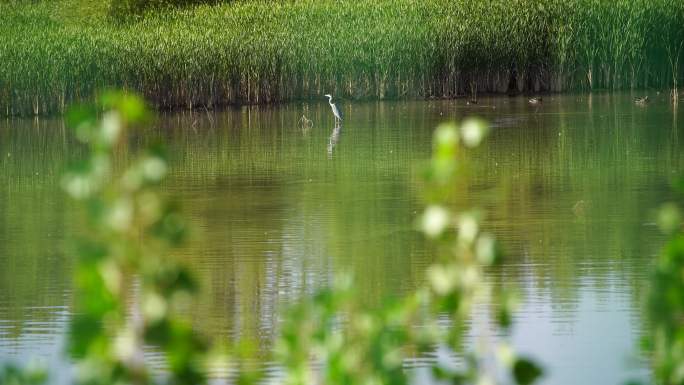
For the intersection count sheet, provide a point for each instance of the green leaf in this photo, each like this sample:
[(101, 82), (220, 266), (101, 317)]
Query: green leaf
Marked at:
[(13, 375), (526, 372), (678, 184), (82, 119), (669, 218), (473, 131), (83, 330), (131, 107)]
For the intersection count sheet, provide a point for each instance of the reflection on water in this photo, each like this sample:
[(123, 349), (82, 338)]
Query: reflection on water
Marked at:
[(278, 208), (334, 138)]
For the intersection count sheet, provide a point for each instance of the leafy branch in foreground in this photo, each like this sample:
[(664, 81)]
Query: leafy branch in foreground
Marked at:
[(333, 339), (127, 288), (666, 302), (13, 375)]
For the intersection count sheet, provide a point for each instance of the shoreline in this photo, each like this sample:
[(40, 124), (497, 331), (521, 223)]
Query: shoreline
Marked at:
[(661, 98)]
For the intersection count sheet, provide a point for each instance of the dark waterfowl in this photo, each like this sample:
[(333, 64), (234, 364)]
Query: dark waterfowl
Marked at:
[(535, 100), (641, 100)]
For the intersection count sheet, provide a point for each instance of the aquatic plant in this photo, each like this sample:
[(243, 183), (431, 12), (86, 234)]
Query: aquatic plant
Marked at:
[(263, 52)]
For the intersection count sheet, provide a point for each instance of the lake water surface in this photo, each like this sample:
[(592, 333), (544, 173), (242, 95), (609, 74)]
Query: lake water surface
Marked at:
[(568, 187)]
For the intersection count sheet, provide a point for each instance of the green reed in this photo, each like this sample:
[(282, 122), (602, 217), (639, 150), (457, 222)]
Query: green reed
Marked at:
[(254, 52)]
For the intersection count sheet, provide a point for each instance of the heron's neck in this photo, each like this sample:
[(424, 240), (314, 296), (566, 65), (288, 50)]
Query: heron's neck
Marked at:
[(330, 100)]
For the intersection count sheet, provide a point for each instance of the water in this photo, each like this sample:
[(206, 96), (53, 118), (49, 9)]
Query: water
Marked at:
[(569, 188)]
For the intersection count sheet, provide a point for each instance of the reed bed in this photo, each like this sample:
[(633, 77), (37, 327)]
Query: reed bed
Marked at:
[(251, 52)]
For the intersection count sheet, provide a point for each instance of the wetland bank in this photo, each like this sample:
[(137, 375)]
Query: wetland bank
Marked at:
[(55, 53)]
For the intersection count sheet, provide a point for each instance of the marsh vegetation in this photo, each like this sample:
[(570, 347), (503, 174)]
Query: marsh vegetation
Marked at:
[(253, 52)]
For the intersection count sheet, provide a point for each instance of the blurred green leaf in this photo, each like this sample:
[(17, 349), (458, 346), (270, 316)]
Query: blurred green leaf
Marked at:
[(634, 382), (82, 119), (29, 375), (678, 184), (669, 218), (473, 131), (131, 107), (525, 371), (83, 330)]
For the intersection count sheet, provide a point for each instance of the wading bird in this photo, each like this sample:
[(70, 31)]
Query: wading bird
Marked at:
[(335, 111), (535, 100)]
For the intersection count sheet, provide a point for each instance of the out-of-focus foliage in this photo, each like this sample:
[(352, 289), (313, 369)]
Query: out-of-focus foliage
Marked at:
[(128, 290), (13, 375), (332, 339), (127, 287), (666, 302), (248, 52)]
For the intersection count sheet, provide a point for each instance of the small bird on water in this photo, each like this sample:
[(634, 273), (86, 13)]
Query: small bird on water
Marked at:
[(535, 100), (335, 111), (643, 100)]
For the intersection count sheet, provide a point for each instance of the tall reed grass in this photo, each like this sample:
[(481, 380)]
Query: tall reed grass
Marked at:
[(261, 51)]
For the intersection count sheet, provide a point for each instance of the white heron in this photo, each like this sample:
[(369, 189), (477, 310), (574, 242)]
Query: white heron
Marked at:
[(335, 111)]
